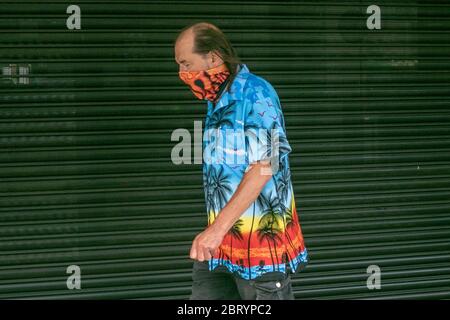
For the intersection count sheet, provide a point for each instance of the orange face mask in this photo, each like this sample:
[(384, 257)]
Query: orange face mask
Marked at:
[(205, 84)]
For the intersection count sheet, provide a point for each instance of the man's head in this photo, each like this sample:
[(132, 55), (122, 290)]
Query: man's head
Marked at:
[(203, 46), (206, 59)]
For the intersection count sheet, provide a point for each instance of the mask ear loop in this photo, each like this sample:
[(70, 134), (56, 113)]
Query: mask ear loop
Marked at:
[(213, 55)]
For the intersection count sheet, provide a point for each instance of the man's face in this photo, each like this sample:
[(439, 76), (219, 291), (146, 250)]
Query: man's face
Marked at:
[(186, 59)]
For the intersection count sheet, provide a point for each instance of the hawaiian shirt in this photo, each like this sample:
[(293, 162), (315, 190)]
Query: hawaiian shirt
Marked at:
[(267, 237)]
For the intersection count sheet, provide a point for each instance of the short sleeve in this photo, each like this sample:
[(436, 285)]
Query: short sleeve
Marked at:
[(265, 133)]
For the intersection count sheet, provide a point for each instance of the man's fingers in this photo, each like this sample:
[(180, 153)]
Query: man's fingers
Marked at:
[(200, 252), (193, 253), (204, 253), (200, 256), (207, 254)]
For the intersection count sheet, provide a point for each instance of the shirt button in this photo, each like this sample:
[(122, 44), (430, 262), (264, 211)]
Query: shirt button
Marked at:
[(278, 284)]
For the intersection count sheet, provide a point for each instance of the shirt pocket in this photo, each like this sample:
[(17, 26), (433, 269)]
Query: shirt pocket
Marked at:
[(273, 290)]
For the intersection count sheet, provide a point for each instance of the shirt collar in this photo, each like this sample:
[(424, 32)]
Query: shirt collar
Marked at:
[(236, 91)]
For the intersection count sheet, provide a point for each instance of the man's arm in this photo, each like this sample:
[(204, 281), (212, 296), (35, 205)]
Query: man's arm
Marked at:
[(254, 180)]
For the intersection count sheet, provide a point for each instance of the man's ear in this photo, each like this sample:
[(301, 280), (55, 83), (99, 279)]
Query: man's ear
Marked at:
[(216, 60)]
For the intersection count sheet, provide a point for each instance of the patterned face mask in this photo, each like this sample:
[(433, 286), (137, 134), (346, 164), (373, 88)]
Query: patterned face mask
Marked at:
[(205, 84)]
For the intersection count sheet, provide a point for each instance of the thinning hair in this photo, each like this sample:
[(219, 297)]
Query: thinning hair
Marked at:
[(209, 38)]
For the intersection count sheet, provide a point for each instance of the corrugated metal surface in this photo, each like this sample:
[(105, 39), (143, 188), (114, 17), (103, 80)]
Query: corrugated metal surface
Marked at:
[(86, 117)]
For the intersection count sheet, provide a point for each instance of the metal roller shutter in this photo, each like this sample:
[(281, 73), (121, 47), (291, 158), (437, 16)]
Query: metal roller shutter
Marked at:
[(86, 118)]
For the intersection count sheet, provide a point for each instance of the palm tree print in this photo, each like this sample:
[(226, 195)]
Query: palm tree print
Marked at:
[(221, 187), (236, 233), (276, 143), (283, 180), (289, 223), (273, 207), (220, 118), (260, 201), (273, 214), (218, 188), (209, 190), (283, 186), (269, 230)]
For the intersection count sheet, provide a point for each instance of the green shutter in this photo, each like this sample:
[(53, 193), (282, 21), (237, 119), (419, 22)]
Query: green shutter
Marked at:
[(86, 118)]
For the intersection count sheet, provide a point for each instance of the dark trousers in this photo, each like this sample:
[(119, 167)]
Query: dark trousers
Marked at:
[(218, 285)]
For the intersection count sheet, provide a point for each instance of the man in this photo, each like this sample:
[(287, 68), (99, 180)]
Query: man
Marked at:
[(253, 240)]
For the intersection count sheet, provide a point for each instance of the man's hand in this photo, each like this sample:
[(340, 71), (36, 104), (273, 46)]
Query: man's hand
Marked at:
[(206, 243)]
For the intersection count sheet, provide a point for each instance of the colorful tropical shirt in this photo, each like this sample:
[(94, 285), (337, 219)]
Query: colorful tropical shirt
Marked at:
[(267, 238)]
